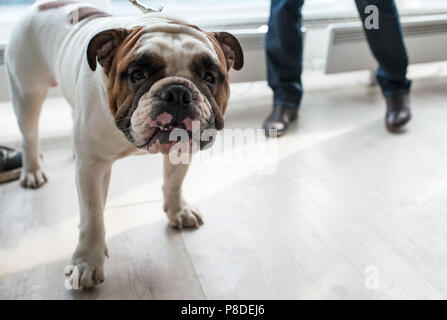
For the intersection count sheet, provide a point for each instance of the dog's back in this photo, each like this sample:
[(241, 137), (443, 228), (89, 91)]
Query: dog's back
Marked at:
[(28, 53), (45, 42), (33, 56)]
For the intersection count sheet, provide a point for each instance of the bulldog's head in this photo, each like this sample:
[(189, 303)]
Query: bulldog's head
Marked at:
[(165, 77)]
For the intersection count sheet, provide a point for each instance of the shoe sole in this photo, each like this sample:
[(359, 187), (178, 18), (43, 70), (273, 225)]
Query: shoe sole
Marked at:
[(398, 128), (280, 133), (10, 175)]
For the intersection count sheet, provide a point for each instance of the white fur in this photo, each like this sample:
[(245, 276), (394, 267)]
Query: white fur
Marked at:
[(43, 51), (177, 45)]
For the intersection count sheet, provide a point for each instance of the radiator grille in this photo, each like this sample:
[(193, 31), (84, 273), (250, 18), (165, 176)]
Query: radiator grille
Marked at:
[(356, 34), (349, 51)]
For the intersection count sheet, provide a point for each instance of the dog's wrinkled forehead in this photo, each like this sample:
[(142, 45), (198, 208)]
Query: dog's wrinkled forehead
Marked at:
[(177, 45)]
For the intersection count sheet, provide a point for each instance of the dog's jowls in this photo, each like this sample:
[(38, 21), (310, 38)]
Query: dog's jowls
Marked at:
[(132, 82)]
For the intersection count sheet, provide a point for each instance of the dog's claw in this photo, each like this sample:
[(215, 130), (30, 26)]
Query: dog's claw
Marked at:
[(33, 179), (86, 269), (86, 276), (186, 218)]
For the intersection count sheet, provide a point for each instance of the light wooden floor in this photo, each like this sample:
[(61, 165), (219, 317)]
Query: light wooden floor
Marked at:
[(351, 212)]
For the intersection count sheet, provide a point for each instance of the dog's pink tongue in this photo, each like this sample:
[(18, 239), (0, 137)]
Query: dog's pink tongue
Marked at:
[(163, 148), (164, 118)]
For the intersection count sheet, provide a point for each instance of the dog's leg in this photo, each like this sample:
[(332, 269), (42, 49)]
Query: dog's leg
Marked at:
[(179, 213), (27, 102), (92, 178)]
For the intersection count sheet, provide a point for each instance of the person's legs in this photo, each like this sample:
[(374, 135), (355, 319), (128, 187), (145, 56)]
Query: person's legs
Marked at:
[(284, 48), (387, 46), (284, 52)]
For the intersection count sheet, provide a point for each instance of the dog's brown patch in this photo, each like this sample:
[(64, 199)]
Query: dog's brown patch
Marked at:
[(231, 49), (82, 13), (217, 95), (119, 93), (223, 94), (54, 4)]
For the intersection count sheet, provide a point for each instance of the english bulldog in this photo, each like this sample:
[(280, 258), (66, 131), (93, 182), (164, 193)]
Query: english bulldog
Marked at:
[(131, 82)]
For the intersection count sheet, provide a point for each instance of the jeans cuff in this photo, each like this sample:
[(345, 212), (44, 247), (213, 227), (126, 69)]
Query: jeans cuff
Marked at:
[(390, 94), (288, 104)]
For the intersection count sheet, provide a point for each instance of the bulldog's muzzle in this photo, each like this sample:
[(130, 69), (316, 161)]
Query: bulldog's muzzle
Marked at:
[(168, 113)]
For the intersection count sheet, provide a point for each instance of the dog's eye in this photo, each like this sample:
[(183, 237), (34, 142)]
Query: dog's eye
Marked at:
[(137, 75), (208, 77)]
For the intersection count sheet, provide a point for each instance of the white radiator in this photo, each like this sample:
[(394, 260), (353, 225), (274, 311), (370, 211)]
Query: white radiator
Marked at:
[(347, 50), (252, 43)]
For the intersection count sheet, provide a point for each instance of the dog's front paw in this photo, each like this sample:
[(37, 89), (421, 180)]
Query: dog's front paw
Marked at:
[(33, 179), (186, 217), (86, 271)]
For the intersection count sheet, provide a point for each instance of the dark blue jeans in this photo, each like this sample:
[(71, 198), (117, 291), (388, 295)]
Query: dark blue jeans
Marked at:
[(284, 49)]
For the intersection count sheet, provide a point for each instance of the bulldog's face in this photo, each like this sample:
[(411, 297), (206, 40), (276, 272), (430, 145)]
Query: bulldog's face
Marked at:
[(164, 79)]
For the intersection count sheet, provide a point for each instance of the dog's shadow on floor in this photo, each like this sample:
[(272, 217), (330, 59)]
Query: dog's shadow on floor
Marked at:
[(146, 262)]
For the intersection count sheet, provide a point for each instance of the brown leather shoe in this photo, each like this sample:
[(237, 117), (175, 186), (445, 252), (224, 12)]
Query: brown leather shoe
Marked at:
[(279, 119), (398, 112)]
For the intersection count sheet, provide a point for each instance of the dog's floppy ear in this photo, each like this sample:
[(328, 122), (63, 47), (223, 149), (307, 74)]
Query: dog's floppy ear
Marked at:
[(231, 49), (102, 47)]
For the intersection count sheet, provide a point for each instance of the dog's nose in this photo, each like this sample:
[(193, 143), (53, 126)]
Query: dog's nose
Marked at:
[(177, 94)]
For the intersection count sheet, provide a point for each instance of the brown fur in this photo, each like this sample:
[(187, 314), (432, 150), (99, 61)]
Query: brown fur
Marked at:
[(118, 90), (217, 96), (222, 95), (134, 94)]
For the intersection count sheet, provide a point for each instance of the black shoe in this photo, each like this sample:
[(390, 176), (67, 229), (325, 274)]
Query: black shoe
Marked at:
[(279, 119), (398, 112), (10, 164)]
